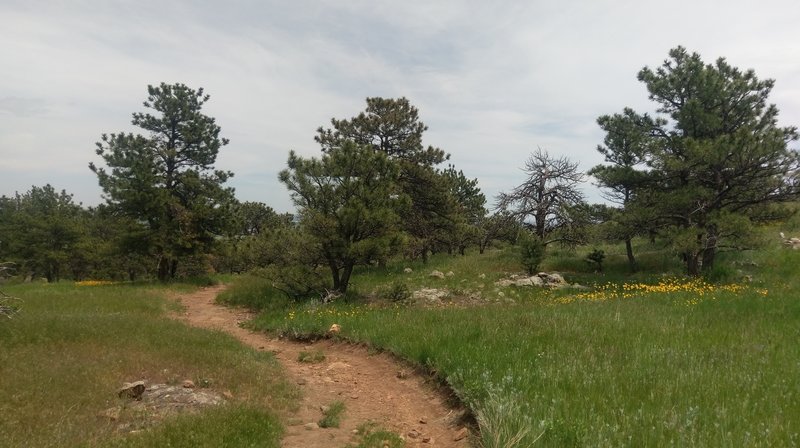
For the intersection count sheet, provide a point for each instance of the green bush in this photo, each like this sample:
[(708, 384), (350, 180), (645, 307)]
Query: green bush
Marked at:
[(254, 292), (397, 292), (531, 252)]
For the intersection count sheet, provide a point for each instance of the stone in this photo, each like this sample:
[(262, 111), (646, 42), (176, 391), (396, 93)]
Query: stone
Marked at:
[(482, 276), (450, 274), (426, 439), (437, 274), (461, 434), (402, 374), (430, 294), (408, 270), (335, 329), (228, 395), (301, 381), (324, 409), (132, 390), (413, 434), (188, 384), (423, 420), (311, 426)]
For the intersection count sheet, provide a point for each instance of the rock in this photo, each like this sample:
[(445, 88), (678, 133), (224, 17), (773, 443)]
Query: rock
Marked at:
[(450, 274), (426, 439), (437, 274), (461, 434), (408, 270), (301, 381), (228, 395), (402, 374), (423, 420), (520, 281), (188, 384), (553, 278), (430, 294), (311, 426), (482, 276), (413, 434), (324, 409), (132, 390), (335, 329)]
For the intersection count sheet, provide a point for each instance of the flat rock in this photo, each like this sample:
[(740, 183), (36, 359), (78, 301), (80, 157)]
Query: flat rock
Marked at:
[(132, 390)]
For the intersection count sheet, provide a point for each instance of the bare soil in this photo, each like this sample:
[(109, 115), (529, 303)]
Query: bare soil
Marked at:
[(373, 387)]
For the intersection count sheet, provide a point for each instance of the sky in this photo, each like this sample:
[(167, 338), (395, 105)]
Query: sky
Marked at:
[(492, 80)]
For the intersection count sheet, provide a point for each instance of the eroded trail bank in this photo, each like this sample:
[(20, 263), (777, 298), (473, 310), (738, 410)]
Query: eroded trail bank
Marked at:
[(370, 385)]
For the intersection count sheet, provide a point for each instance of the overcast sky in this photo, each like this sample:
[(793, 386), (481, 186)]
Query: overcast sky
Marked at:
[(492, 80)]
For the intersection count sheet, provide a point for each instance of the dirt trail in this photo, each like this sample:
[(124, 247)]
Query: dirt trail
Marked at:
[(368, 384)]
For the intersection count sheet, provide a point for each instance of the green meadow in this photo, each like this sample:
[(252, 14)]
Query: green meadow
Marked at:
[(67, 352), (646, 359)]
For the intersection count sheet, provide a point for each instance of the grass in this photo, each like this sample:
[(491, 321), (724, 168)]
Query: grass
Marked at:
[(332, 415), (64, 356), (372, 436), (671, 363), (311, 357)]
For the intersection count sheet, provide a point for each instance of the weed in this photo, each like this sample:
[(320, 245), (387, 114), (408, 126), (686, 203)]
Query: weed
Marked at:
[(372, 436), (332, 415), (311, 357)]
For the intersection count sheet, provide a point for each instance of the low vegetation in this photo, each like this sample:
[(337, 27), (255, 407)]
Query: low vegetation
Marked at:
[(332, 415), (639, 359), (65, 355)]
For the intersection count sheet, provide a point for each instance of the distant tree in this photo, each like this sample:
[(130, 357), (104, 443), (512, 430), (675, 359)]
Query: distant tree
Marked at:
[(717, 159), (499, 226), (41, 228), (531, 251), (627, 140), (166, 180), (392, 126), (549, 200), (348, 201), (468, 208)]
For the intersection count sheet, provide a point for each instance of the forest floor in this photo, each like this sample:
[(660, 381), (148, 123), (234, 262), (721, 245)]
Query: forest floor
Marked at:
[(376, 389)]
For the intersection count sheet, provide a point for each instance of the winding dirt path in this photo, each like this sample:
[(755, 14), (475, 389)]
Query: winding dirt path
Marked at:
[(370, 385)]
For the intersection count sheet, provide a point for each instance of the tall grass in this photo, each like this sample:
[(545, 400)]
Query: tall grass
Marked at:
[(698, 366), (64, 356)]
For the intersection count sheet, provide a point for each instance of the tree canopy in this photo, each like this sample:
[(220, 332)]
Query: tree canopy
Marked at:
[(165, 180), (550, 199), (711, 164), (348, 202)]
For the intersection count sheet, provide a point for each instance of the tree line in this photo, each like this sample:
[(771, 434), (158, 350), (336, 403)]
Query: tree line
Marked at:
[(699, 174)]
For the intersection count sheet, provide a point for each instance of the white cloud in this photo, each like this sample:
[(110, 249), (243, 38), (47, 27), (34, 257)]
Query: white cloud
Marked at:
[(493, 80)]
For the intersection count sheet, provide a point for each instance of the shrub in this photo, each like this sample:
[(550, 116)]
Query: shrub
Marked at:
[(254, 292), (596, 258), (531, 252), (397, 292)]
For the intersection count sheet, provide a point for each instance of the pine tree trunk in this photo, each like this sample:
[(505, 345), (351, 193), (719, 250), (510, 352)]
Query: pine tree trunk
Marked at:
[(629, 253), (163, 269), (344, 282), (710, 251), (693, 264)]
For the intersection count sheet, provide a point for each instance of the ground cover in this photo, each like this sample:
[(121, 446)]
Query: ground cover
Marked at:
[(640, 360), (64, 356)]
